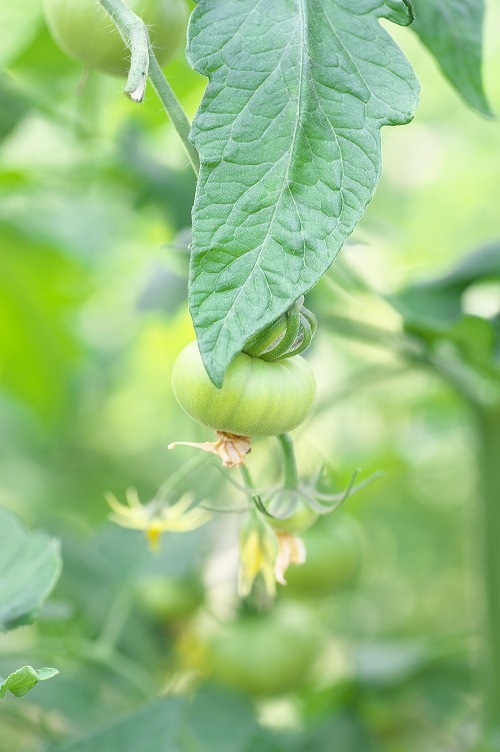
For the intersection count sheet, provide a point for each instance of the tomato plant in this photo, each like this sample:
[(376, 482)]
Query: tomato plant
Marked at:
[(266, 654), (84, 31), (286, 147), (258, 398)]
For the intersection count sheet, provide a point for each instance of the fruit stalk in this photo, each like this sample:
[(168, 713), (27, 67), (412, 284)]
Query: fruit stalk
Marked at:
[(290, 479)]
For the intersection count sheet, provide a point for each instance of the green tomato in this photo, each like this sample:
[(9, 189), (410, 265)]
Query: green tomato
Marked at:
[(299, 515), (266, 654), (257, 398), (170, 599), (85, 31), (334, 557)]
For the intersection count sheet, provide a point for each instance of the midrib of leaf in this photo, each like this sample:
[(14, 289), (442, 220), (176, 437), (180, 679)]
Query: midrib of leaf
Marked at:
[(286, 175)]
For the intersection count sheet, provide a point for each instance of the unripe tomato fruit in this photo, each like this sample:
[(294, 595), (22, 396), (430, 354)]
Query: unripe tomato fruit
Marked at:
[(266, 654), (170, 599), (85, 31), (334, 557), (257, 398), (301, 518)]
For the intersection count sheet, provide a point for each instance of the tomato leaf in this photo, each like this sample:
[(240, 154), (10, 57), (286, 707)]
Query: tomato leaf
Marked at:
[(289, 139), (24, 679), (452, 31), (437, 302), (30, 565), (176, 725)]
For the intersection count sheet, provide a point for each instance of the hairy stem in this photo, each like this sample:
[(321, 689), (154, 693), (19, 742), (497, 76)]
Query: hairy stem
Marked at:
[(173, 109), (143, 62), (291, 478)]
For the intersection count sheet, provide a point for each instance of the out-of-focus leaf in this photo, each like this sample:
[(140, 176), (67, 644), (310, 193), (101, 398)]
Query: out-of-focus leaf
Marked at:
[(209, 717), (452, 31), (289, 139), (215, 721), (345, 731), (30, 565), (20, 682), (152, 729), (437, 301), (269, 741)]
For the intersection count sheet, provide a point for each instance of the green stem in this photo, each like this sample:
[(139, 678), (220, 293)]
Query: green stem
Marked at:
[(247, 478), (291, 478), (135, 35), (174, 110), (180, 475), (488, 425), (143, 62)]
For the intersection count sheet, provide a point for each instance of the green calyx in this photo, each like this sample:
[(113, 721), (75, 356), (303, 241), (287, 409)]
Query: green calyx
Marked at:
[(289, 335)]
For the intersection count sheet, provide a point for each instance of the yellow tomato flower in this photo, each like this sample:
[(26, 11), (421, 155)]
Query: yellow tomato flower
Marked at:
[(258, 552), (156, 517), (268, 552), (291, 550)]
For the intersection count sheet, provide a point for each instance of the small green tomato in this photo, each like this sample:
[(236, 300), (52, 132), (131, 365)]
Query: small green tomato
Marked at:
[(171, 599), (334, 557), (292, 512), (257, 398), (84, 30)]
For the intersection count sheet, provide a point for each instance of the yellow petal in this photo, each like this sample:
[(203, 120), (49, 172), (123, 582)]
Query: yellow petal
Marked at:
[(291, 550), (181, 506), (115, 504), (129, 522), (133, 498)]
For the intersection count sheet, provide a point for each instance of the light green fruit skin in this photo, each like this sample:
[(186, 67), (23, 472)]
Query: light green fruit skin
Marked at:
[(171, 599), (293, 503), (265, 655), (85, 31), (334, 557), (257, 398), (301, 520)]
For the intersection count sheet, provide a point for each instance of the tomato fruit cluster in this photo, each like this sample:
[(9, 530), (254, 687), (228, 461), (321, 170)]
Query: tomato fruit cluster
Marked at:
[(84, 30), (257, 398)]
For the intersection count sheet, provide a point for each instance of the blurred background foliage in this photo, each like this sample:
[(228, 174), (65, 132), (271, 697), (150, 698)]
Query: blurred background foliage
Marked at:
[(372, 646)]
